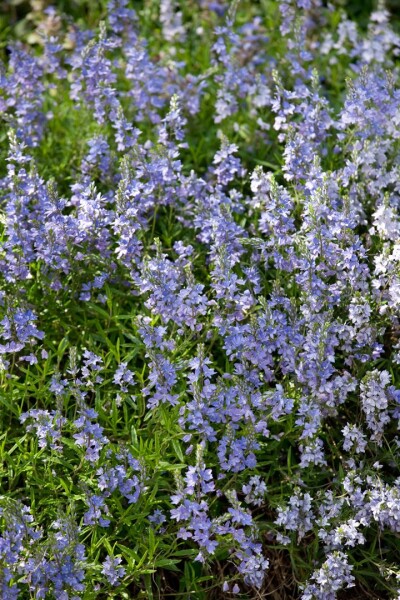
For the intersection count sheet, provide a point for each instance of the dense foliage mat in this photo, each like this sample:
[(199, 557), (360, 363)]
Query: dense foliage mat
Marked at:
[(199, 300)]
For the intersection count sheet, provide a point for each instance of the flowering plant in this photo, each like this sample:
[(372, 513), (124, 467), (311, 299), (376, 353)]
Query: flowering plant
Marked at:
[(199, 301)]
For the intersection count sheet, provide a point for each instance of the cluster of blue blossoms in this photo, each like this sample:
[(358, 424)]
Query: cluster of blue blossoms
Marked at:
[(266, 325)]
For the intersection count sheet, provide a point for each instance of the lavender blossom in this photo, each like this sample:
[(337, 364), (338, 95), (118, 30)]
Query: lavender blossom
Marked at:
[(112, 571)]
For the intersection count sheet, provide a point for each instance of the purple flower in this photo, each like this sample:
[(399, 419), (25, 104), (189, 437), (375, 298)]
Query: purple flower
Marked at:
[(47, 426), (334, 575), (157, 517), (123, 377), (112, 571)]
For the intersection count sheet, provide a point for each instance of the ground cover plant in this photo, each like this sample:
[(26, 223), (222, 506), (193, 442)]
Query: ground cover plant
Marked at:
[(199, 300)]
